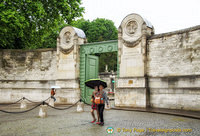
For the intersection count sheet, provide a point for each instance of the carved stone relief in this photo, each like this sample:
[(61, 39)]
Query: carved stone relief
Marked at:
[(132, 30), (67, 37), (131, 44), (131, 27), (66, 42)]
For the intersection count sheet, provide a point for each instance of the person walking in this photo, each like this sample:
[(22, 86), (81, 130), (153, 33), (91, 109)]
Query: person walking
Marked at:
[(53, 92), (94, 106), (103, 98)]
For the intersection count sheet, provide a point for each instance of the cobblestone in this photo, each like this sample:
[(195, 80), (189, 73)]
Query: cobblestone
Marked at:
[(69, 122)]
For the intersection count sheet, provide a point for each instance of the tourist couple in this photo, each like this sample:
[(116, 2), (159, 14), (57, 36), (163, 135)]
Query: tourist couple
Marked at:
[(99, 98)]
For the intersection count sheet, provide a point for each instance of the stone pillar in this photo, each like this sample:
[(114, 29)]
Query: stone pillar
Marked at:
[(131, 85), (43, 111), (23, 104), (68, 61), (80, 107)]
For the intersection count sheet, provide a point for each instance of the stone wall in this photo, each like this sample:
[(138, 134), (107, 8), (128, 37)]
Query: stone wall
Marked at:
[(31, 73), (174, 69), (159, 71), (27, 73), (175, 54)]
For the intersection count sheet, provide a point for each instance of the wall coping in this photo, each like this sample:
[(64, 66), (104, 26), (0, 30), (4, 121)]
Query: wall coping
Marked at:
[(186, 30)]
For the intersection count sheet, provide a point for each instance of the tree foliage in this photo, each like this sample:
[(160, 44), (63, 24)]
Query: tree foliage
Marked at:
[(35, 24), (97, 30), (100, 30), (109, 59)]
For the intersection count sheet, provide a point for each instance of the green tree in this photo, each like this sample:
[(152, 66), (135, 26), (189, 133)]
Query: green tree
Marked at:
[(35, 24), (109, 59), (100, 30), (97, 30)]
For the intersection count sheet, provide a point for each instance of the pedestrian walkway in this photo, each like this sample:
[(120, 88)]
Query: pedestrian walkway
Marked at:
[(183, 113), (118, 122)]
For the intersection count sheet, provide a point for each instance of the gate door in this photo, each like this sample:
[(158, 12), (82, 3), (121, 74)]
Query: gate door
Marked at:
[(92, 68), (89, 64)]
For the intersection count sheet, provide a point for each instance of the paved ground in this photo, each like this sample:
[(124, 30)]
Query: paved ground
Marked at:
[(69, 122)]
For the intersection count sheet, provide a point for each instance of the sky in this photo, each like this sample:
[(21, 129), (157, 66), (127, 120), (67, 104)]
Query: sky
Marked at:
[(164, 15)]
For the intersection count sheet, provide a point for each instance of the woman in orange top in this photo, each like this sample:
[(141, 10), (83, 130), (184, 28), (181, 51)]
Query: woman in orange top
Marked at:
[(94, 106)]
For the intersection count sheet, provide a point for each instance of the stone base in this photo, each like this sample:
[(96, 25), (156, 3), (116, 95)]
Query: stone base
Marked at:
[(23, 105), (43, 111), (130, 97), (80, 107), (183, 99)]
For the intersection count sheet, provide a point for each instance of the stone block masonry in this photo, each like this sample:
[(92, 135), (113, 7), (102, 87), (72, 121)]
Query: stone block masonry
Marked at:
[(26, 73), (175, 54), (173, 67)]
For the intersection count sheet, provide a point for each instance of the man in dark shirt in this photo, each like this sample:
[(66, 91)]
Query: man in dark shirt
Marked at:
[(102, 106)]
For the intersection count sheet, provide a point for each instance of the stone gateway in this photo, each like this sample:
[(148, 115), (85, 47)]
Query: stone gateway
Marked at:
[(159, 71)]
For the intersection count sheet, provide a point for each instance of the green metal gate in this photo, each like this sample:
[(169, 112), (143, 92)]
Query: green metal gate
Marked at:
[(92, 68), (89, 64)]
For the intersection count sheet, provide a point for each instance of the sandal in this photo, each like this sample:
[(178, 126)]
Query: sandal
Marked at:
[(98, 123), (93, 121)]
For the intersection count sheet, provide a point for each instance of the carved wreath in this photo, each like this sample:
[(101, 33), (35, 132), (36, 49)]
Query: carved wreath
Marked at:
[(132, 44), (66, 51)]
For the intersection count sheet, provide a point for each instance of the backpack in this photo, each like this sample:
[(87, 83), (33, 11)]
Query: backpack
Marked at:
[(99, 98)]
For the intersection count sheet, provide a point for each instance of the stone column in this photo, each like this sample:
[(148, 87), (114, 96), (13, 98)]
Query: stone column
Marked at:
[(68, 42), (131, 85)]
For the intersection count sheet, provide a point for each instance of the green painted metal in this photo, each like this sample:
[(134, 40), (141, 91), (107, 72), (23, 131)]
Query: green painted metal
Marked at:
[(86, 50), (92, 68)]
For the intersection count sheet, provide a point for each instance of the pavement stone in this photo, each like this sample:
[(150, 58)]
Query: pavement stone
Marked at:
[(69, 122)]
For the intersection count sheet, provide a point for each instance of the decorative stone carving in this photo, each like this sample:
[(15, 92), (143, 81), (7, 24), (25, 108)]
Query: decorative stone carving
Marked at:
[(131, 43), (66, 45), (68, 38), (131, 27)]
